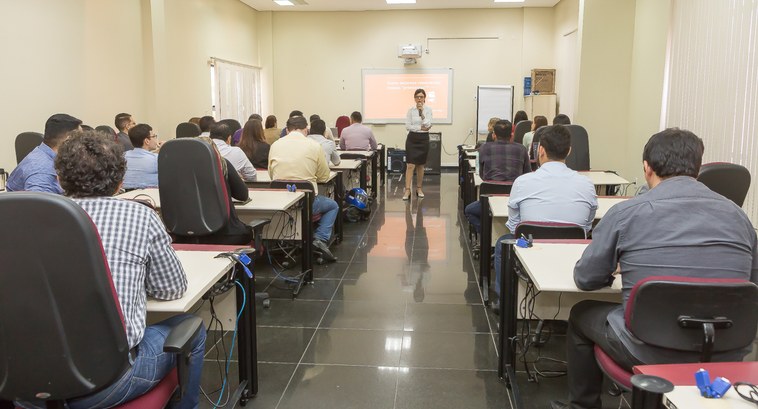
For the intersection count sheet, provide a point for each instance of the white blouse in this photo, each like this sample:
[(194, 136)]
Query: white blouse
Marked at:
[(413, 121)]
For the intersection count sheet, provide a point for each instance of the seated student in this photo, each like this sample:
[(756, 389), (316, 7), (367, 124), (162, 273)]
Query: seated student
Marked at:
[(553, 193), (500, 160), (36, 171), (692, 243), (222, 136), (124, 122), (491, 127), (330, 149), (538, 122), (292, 115), (205, 125), (520, 116), (298, 158), (253, 143), (327, 132), (141, 261), (561, 119), (142, 161), (237, 135), (271, 132), (357, 137)]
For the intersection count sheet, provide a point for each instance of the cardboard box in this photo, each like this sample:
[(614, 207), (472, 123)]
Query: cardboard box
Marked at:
[(543, 81)]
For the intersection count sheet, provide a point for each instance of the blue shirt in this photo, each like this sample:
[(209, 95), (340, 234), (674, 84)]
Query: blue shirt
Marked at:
[(36, 172), (553, 193), (141, 169)]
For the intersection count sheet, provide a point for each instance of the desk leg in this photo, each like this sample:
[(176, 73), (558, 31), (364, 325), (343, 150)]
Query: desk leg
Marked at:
[(374, 175), (247, 344), (383, 163), (485, 243), (307, 244), (363, 173), (339, 196), (508, 315)]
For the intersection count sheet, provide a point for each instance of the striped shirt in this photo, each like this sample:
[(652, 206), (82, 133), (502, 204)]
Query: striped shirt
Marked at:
[(140, 257)]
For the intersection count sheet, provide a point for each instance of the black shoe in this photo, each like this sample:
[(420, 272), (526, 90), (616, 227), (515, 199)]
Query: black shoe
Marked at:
[(556, 404), (324, 250)]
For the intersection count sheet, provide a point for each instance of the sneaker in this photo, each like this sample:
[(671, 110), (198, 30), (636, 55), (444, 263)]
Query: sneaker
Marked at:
[(324, 250)]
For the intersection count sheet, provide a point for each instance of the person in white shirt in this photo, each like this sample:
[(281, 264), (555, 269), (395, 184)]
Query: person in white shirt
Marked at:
[(330, 149), (222, 136)]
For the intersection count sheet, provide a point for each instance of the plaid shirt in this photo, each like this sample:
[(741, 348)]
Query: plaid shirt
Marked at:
[(503, 161), (139, 253)]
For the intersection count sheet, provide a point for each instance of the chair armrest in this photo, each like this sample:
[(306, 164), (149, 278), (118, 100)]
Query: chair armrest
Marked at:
[(181, 336), (258, 223)]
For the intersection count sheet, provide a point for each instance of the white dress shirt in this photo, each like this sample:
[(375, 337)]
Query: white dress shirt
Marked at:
[(238, 159)]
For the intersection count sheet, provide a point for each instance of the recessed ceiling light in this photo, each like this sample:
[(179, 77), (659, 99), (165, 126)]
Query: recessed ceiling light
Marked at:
[(284, 2), (509, 1), (401, 1)]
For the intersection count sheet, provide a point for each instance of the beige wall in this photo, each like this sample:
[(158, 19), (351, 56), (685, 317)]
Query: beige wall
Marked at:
[(318, 58)]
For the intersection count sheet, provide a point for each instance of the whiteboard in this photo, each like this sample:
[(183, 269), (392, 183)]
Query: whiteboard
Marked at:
[(492, 101)]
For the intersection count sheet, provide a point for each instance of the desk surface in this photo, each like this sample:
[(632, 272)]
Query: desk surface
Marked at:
[(263, 177), (260, 200), (347, 164), (688, 397), (551, 266), (599, 178), (202, 272), (367, 154), (499, 205)]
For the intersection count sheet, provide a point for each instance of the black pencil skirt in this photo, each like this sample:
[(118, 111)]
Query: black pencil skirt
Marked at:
[(416, 148)]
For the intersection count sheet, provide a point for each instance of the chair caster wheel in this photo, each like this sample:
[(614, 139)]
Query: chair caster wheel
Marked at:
[(286, 264), (266, 303), (320, 261), (614, 390)]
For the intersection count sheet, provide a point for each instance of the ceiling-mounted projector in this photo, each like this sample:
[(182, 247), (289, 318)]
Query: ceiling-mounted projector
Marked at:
[(409, 52)]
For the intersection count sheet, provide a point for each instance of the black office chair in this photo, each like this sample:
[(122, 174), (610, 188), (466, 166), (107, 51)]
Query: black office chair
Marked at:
[(194, 196), (25, 143), (579, 157), (727, 179), (522, 127), (61, 326), (303, 185), (487, 187), (686, 314), (187, 130), (549, 230)]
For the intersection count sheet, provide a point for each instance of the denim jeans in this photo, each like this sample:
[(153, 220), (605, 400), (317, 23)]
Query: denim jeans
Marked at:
[(499, 260), (150, 366), (328, 209), (473, 213)]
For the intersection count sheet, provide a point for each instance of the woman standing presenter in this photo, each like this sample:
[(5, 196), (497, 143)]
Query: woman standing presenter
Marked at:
[(417, 122)]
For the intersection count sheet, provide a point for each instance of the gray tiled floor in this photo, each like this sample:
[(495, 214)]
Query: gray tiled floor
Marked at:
[(397, 322)]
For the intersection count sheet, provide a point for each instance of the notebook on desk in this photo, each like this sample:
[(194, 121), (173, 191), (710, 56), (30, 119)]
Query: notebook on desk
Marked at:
[(688, 397)]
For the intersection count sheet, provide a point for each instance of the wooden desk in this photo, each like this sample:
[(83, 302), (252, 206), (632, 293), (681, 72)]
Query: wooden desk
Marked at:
[(686, 396), (203, 270), (494, 216), (374, 158), (550, 266)]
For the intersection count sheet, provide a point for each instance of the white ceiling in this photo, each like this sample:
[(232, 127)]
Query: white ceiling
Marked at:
[(360, 5)]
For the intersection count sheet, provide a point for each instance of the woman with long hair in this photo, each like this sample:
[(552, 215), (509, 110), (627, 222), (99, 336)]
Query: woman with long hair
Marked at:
[(272, 131), (253, 143)]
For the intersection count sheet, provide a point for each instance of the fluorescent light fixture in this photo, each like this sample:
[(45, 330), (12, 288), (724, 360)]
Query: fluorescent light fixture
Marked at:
[(284, 2), (401, 1), (509, 1)]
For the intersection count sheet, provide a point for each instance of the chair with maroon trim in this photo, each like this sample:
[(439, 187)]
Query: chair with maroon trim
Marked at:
[(727, 179), (25, 143), (549, 230), (579, 157), (62, 332), (702, 316), (488, 187), (187, 130), (522, 127)]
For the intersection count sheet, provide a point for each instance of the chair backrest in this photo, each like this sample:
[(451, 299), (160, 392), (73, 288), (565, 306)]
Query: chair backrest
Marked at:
[(61, 327), (25, 143), (492, 187), (579, 157), (187, 130), (192, 187), (299, 185), (549, 230), (727, 179), (536, 142), (657, 304), (348, 155), (342, 123), (522, 127)]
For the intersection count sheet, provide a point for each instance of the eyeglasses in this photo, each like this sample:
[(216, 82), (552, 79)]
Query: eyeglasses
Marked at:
[(419, 97), (153, 136)]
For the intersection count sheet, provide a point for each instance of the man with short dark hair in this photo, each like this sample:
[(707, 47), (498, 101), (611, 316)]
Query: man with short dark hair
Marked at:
[(553, 193), (357, 137), (331, 155), (141, 262), (293, 114), (327, 131), (678, 228), (205, 125), (221, 134), (298, 158), (561, 119), (500, 160), (36, 171), (142, 161), (124, 122)]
